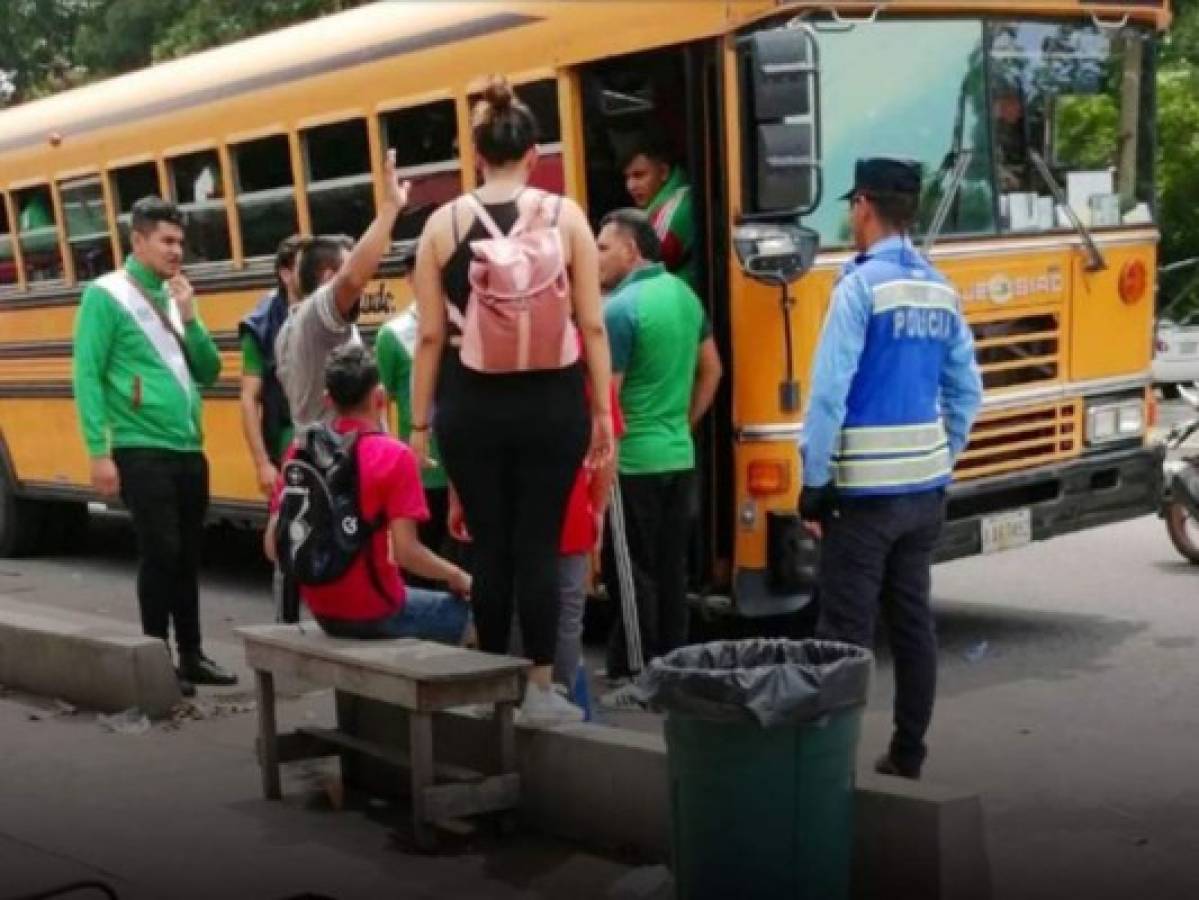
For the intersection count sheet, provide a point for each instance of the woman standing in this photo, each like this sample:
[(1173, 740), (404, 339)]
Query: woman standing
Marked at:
[(511, 442)]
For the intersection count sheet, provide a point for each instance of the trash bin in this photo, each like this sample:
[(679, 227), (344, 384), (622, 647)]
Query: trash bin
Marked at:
[(761, 737)]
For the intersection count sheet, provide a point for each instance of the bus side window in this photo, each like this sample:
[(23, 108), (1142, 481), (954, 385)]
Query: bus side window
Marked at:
[(129, 185), (341, 197), (8, 254), (266, 194), (542, 99), (198, 187), (425, 139), (38, 235), (87, 227)]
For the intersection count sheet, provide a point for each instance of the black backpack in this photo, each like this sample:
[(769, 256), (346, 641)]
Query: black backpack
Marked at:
[(321, 529)]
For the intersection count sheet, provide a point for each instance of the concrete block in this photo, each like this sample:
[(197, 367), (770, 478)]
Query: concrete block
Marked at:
[(921, 840), (609, 789), (90, 662)]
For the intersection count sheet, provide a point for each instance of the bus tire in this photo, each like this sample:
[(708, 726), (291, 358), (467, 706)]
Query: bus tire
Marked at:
[(20, 521)]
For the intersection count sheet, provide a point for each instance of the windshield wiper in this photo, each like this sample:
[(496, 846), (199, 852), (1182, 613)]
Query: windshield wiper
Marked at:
[(961, 162), (1095, 260)]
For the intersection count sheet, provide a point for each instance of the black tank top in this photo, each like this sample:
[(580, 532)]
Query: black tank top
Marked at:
[(455, 273)]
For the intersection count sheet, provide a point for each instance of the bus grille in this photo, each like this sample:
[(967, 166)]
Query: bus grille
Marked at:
[(1010, 439), (1019, 351)]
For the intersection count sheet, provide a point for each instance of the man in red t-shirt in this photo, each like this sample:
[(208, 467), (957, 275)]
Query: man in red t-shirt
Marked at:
[(389, 485)]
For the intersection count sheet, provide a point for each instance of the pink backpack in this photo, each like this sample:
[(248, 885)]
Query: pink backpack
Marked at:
[(518, 315)]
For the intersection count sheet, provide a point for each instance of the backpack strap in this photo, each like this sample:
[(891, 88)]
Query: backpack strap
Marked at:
[(484, 216), (531, 212), (372, 527)]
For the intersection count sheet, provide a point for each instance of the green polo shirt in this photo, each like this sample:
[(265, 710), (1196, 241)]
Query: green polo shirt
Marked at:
[(125, 394), (393, 354), (655, 326), (253, 364)]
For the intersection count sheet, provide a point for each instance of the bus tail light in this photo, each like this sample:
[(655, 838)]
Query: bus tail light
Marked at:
[(1134, 282), (768, 476)]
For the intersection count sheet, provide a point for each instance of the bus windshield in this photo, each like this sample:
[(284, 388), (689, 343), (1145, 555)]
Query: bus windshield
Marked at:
[(1001, 91)]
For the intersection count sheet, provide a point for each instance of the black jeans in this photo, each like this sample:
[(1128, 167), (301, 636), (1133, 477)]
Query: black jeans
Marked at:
[(877, 554), (512, 446), (658, 519), (167, 495)]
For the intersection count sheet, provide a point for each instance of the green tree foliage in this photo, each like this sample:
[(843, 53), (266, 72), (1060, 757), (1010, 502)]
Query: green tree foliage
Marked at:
[(37, 40), (1178, 135), (50, 45)]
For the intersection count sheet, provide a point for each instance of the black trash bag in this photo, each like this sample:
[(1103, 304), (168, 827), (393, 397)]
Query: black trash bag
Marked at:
[(770, 682)]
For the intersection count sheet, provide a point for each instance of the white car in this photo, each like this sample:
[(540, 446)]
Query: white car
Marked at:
[(1176, 351)]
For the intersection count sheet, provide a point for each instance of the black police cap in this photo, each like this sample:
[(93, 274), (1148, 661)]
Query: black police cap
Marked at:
[(882, 173)]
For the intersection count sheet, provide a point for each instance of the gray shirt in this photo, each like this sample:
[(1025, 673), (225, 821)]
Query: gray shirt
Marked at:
[(314, 329)]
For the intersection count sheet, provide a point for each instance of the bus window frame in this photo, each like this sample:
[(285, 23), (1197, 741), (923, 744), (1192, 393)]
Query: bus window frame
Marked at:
[(109, 173), (380, 144), (166, 161), (369, 177), (231, 145), (55, 207), (10, 209), (77, 179), (299, 182)]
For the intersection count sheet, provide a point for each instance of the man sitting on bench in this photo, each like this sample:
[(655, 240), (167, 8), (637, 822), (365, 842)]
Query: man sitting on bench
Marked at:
[(369, 599)]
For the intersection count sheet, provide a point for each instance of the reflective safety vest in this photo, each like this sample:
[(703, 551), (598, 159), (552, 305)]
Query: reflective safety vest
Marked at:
[(893, 440)]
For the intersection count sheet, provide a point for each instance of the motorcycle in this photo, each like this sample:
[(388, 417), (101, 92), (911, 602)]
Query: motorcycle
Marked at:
[(1180, 495)]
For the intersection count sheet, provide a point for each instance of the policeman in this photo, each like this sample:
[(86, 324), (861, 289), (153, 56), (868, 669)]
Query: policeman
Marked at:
[(894, 391)]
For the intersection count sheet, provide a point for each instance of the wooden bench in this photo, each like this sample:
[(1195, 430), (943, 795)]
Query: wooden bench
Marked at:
[(422, 678)]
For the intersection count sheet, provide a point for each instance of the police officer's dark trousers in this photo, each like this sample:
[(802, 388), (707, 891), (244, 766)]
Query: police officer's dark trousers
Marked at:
[(877, 556)]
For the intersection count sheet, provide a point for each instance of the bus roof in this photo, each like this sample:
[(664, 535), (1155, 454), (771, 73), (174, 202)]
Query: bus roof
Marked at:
[(343, 40), (385, 30)]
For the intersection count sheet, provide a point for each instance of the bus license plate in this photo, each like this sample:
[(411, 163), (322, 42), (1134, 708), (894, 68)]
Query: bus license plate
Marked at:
[(1006, 531)]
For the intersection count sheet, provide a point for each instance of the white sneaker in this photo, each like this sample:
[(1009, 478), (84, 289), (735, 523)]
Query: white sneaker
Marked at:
[(626, 698), (546, 707)]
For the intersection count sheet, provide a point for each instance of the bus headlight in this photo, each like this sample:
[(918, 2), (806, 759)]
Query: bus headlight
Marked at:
[(1110, 422)]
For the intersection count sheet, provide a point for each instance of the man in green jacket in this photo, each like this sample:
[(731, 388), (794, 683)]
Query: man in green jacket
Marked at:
[(660, 188), (141, 356)]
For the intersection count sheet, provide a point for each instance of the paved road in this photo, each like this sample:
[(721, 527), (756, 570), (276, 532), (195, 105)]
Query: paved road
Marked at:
[(1069, 675)]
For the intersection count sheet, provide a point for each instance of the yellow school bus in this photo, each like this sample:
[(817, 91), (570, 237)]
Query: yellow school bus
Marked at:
[(1033, 120)]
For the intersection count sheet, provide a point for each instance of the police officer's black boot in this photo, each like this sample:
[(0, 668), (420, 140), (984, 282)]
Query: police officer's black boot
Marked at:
[(199, 669), (886, 765)]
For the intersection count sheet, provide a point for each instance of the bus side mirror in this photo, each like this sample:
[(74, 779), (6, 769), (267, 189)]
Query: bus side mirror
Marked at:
[(781, 123)]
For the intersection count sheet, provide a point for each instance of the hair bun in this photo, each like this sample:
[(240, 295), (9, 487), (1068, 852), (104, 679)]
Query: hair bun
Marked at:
[(498, 94)]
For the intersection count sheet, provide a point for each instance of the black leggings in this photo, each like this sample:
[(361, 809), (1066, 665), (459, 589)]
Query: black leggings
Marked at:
[(512, 446)]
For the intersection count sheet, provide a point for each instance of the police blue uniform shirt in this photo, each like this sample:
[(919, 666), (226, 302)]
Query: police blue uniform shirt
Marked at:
[(895, 386)]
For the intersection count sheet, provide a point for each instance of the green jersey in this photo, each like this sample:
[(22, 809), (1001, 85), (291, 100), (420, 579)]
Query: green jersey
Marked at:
[(655, 326), (394, 348)]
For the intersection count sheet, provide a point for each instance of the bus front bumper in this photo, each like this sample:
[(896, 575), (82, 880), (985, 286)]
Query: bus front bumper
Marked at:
[(1083, 493), (1094, 490)]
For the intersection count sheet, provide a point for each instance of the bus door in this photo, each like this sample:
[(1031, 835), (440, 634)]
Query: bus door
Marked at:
[(668, 98)]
